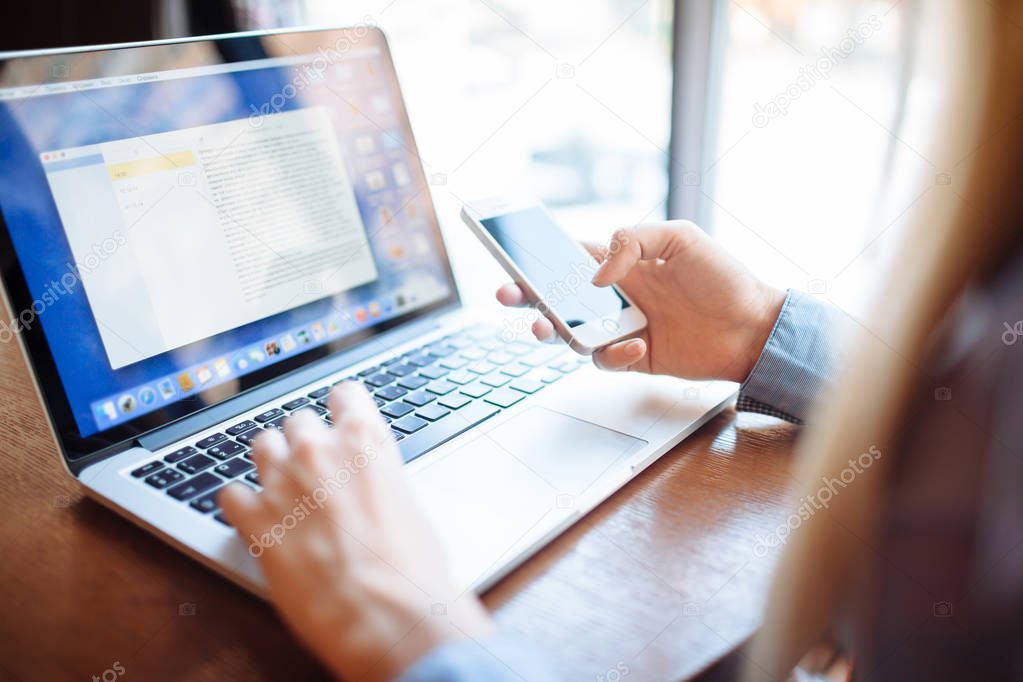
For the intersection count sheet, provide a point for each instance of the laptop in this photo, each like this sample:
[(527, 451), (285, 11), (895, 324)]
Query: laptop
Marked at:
[(201, 237)]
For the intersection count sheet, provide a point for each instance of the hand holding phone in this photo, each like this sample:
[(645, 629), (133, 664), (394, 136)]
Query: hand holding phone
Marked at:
[(554, 272)]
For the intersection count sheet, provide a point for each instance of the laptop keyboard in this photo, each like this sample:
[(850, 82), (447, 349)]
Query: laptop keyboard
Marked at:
[(428, 396)]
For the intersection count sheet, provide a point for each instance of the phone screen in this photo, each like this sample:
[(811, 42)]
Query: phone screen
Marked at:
[(558, 268)]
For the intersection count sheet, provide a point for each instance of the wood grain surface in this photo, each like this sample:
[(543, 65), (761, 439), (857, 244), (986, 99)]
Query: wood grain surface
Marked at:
[(658, 582)]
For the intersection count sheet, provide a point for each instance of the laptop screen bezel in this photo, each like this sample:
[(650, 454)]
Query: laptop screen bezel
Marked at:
[(72, 444)]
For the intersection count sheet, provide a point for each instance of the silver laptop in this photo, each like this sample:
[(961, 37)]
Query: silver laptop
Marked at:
[(201, 237)]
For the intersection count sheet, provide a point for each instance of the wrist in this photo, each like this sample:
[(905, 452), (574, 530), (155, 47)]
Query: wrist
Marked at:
[(770, 302)]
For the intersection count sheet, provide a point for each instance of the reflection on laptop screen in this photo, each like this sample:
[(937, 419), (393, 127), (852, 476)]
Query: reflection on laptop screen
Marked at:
[(182, 228)]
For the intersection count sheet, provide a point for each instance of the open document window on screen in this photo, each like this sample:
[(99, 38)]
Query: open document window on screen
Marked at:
[(218, 226)]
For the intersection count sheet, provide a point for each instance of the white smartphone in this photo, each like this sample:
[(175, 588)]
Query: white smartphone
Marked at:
[(554, 271)]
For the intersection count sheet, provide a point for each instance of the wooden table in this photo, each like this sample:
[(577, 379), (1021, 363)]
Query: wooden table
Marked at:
[(660, 580)]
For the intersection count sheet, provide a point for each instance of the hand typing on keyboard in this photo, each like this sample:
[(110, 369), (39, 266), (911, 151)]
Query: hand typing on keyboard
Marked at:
[(351, 563), (708, 316)]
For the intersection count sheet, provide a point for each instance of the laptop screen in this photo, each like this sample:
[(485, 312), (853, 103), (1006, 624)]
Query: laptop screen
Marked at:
[(190, 218)]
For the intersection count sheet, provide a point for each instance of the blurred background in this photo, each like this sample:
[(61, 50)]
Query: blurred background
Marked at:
[(797, 132)]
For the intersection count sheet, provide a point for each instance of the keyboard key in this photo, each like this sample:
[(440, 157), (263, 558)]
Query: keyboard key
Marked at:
[(319, 393), (235, 467), (441, 432), (433, 372), (398, 435), (409, 424), (391, 361), (401, 370), (566, 367), (515, 370), (248, 437), (272, 413), (459, 341), (482, 367), (162, 479), (210, 440), (412, 382), (441, 387), (432, 412), (397, 410), (420, 398), (379, 402), (474, 354), (196, 463), (206, 504), (148, 468), (520, 348), (441, 349), (315, 409), (223, 519), (420, 359), (296, 403), (455, 401), (378, 380), (550, 377), (241, 427), (491, 344), (194, 486), (454, 363), (391, 393), (496, 379), (180, 454), (500, 358), (461, 377), (253, 477), (368, 371), (476, 390), (225, 450), (541, 355), (504, 397), (276, 423), (526, 385)]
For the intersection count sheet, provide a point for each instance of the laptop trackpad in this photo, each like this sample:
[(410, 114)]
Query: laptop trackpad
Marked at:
[(568, 453), (503, 490)]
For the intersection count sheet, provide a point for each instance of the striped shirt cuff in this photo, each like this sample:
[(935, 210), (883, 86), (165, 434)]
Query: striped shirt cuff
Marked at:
[(797, 362)]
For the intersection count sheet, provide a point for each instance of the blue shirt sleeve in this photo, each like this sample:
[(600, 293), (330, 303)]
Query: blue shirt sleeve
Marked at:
[(498, 658), (797, 362)]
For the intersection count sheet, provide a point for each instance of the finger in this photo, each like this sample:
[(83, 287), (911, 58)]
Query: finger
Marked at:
[(302, 424), (543, 330), (621, 355), (598, 251), (242, 508), (350, 402), (630, 245), (511, 295), (269, 451)]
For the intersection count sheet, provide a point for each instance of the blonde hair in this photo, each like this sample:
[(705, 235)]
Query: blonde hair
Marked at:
[(960, 235)]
